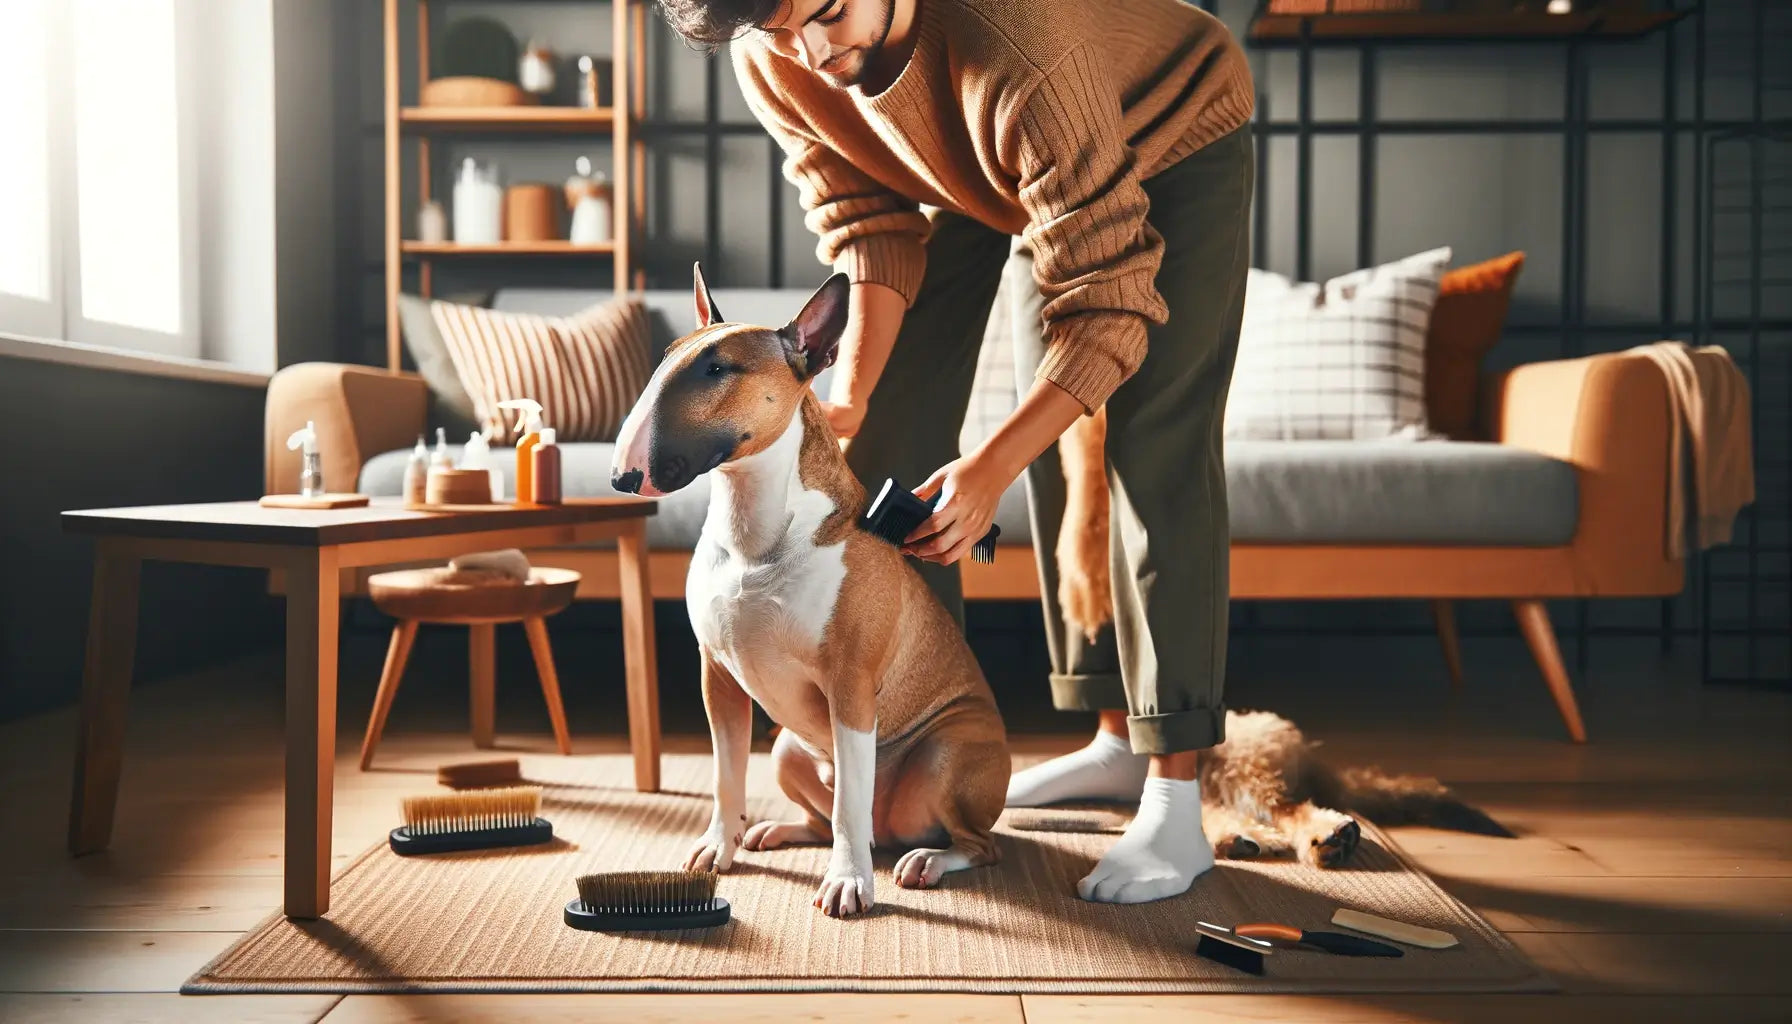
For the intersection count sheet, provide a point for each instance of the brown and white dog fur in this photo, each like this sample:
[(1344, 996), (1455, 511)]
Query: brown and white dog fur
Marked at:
[(890, 734)]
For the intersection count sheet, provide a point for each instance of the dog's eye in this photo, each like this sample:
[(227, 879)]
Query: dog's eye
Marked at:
[(716, 370)]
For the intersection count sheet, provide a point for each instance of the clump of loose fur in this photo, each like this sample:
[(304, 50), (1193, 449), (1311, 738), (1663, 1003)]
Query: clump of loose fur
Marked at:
[(1264, 792), (1085, 592)]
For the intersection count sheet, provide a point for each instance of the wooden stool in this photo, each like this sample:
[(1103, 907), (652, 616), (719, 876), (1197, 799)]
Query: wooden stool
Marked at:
[(416, 596)]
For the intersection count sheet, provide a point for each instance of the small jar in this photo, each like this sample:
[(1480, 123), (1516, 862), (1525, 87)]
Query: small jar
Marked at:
[(432, 223), (535, 70), (592, 72)]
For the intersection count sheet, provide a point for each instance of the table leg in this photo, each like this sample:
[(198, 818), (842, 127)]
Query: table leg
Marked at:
[(313, 612), (638, 649), (105, 690), (482, 673)]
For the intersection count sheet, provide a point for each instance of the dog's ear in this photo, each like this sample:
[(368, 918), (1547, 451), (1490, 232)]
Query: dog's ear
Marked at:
[(706, 307), (813, 335)]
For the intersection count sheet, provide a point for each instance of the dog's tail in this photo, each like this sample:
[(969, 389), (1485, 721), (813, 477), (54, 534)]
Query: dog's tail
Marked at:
[(1410, 800)]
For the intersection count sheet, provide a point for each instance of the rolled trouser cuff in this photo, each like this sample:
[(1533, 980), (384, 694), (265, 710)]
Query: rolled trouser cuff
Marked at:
[(1177, 731), (1092, 692)]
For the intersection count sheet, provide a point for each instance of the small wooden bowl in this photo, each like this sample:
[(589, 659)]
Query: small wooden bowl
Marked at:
[(458, 487), (472, 91), (442, 595)]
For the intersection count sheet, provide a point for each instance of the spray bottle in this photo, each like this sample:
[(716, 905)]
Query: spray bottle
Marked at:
[(528, 421), (478, 455), (311, 476)]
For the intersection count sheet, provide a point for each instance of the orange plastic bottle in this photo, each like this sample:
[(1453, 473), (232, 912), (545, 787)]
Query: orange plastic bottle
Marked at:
[(529, 422)]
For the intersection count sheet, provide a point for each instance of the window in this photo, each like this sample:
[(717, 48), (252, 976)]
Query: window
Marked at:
[(98, 201)]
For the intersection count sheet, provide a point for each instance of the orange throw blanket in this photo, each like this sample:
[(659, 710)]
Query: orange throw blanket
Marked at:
[(1709, 424)]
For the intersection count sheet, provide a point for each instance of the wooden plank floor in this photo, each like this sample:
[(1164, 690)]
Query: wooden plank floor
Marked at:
[(1652, 874)]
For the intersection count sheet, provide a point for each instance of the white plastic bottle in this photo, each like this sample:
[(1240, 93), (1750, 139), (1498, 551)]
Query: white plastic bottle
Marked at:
[(416, 474), (478, 455)]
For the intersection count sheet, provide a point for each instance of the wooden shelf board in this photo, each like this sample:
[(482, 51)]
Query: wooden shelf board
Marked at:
[(1285, 29), (508, 119), (553, 248)]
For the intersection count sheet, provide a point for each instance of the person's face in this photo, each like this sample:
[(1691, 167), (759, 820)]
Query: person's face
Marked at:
[(837, 39)]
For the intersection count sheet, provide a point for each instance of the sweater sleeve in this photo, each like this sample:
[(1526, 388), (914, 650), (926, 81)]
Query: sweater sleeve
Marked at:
[(863, 229), (1095, 257)]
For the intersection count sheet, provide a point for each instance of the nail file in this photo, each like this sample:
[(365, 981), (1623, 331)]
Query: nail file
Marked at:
[(1399, 931)]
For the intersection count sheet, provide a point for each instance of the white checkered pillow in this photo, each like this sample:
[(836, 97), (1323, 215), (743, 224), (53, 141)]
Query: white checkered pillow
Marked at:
[(1340, 361)]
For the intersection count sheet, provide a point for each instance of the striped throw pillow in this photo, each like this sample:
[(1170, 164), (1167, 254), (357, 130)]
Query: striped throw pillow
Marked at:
[(1343, 360), (586, 370)]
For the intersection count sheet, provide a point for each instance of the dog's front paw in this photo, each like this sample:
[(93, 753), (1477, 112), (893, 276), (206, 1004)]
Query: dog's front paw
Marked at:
[(715, 849), (845, 890)]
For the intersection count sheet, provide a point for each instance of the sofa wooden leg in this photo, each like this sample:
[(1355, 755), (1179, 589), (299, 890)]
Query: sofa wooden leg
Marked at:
[(1444, 614), (1533, 621)]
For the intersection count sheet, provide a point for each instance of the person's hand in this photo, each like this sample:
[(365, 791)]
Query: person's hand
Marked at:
[(972, 487), (845, 419)]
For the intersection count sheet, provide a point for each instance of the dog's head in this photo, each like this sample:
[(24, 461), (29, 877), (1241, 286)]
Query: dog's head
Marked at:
[(724, 391)]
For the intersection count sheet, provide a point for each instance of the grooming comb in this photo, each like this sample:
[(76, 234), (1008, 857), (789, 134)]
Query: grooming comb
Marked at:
[(475, 820), (624, 901), (1399, 931), (895, 513), (1223, 947), (481, 774)]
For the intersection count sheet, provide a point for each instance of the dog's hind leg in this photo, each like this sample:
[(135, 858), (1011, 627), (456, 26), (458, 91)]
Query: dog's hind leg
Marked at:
[(797, 776), (951, 790)]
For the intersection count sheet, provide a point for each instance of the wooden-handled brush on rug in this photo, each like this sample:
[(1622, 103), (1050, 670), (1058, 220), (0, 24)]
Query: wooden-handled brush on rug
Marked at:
[(627, 901), (895, 513), (476, 820)]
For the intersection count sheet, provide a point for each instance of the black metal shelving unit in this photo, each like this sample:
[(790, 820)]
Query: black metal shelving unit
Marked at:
[(1763, 578)]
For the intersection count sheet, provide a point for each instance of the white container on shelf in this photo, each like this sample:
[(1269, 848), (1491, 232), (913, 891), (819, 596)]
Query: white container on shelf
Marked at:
[(478, 204), (432, 223)]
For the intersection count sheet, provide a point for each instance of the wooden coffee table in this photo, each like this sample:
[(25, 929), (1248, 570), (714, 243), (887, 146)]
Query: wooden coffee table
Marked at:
[(312, 547)]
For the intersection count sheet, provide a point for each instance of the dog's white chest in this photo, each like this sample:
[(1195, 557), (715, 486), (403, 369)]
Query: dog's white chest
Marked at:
[(765, 619), (760, 591)]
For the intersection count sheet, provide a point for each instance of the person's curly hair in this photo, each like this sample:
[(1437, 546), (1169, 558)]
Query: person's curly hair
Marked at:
[(711, 24)]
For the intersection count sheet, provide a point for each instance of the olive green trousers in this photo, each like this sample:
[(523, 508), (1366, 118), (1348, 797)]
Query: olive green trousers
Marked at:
[(1163, 658)]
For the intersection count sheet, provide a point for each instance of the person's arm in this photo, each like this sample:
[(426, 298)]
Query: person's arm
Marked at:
[(863, 229), (1095, 259), (873, 320)]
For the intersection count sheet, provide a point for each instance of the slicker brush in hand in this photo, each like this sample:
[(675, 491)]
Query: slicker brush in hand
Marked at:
[(895, 513), (622, 901), (474, 820)]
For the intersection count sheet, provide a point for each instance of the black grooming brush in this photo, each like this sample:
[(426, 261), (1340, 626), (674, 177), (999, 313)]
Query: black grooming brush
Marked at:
[(477, 820), (629, 901), (895, 513), (1222, 946)]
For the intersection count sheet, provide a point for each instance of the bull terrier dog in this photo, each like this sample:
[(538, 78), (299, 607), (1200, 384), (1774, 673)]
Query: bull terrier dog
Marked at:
[(890, 735)]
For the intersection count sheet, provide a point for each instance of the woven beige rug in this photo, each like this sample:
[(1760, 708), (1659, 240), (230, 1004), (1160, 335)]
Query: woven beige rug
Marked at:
[(491, 920)]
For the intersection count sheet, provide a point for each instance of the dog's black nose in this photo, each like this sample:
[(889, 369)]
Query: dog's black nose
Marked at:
[(628, 483)]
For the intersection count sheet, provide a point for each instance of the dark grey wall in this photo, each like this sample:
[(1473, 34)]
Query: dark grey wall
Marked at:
[(94, 438)]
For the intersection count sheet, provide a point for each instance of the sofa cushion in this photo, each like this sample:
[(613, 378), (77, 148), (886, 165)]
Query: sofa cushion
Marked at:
[(1398, 492), (1281, 492), (585, 472), (1465, 325)]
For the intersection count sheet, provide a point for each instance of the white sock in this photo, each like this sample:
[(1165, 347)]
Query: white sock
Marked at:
[(1162, 852), (1106, 769)]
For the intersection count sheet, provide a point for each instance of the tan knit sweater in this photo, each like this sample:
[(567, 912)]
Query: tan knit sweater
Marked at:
[(1036, 117)]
